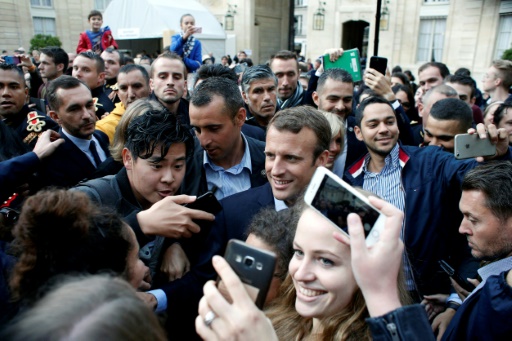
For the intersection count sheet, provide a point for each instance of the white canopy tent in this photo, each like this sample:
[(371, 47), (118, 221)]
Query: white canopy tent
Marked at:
[(148, 19)]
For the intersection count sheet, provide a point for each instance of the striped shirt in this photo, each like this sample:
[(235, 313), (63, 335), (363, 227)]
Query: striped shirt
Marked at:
[(388, 185)]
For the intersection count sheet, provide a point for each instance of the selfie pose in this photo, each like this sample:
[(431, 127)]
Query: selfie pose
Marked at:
[(320, 298), (186, 45)]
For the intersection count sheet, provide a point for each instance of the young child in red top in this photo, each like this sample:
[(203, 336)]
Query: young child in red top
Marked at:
[(96, 39)]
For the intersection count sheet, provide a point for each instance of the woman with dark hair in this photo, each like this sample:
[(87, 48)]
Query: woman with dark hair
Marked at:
[(404, 95), (399, 78), (62, 232)]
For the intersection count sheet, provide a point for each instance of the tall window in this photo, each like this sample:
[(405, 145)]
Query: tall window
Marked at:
[(504, 41), (41, 3), (300, 3), (298, 25), (44, 26), (101, 5), (431, 39)]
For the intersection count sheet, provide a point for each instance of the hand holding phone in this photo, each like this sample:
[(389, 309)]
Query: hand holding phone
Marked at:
[(335, 199), (456, 276), (471, 145), (254, 266), (379, 63), (12, 60), (206, 202)]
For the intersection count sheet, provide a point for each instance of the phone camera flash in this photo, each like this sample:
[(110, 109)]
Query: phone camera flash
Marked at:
[(259, 266)]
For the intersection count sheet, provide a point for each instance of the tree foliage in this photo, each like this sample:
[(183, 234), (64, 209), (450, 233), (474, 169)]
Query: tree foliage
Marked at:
[(42, 40), (507, 54)]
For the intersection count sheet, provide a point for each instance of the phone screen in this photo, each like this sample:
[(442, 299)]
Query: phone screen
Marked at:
[(335, 202), (12, 60)]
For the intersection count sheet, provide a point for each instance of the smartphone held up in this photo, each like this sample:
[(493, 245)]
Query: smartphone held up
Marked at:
[(254, 266), (335, 199)]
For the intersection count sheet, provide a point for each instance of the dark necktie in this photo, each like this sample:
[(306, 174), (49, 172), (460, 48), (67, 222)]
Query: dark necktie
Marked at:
[(94, 152)]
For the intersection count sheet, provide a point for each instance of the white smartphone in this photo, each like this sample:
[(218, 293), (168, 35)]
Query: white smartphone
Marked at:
[(198, 30), (335, 199), (471, 145)]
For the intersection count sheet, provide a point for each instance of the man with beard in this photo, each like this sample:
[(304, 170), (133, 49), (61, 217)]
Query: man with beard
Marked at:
[(84, 149), (168, 83), (334, 93), (290, 93), (421, 182)]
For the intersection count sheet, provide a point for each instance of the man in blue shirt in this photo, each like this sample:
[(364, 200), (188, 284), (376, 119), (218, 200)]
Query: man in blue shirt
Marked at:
[(225, 160)]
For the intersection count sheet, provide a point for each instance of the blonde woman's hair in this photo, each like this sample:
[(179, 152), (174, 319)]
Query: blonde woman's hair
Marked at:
[(337, 125), (136, 109)]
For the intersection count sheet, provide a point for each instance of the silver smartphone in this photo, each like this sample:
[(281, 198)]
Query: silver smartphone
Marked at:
[(471, 145), (335, 199)]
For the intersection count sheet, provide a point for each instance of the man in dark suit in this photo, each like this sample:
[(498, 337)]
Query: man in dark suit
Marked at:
[(90, 68), (72, 107), (225, 161), (297, 143)]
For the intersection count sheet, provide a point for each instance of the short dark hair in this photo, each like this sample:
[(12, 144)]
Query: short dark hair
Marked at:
[(133, 67), (462, 71), (296, 118), (63, 82), (216, 70), (277, 229), (100, 63), (443, 69), (336, 74), (186, 15), (410, 75), (403, 77), (494, 179), (501, 112), (58, 54), (94, 13), (462, 80), (367, 102), (453, 109), (16, 69), (254, 73), (171, 56), (407, 89), (222, 87), (156, 129), (122, 60), (284, 55)]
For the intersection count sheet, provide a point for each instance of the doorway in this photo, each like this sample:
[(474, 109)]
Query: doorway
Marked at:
[(355, 35)]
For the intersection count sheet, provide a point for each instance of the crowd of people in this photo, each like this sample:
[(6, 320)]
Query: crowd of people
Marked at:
[(101, 158)]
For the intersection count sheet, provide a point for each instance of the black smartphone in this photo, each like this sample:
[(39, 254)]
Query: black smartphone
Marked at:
[(254, 266), (206, 202), (379, 63), (456, 276), (12, 60)]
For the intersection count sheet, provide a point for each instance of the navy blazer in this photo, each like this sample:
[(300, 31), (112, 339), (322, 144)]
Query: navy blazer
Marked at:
[(195, 176), (68, 165), (183, 294)]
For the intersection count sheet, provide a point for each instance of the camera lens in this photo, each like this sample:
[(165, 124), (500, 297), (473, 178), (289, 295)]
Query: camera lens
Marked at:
[(248, 261)]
